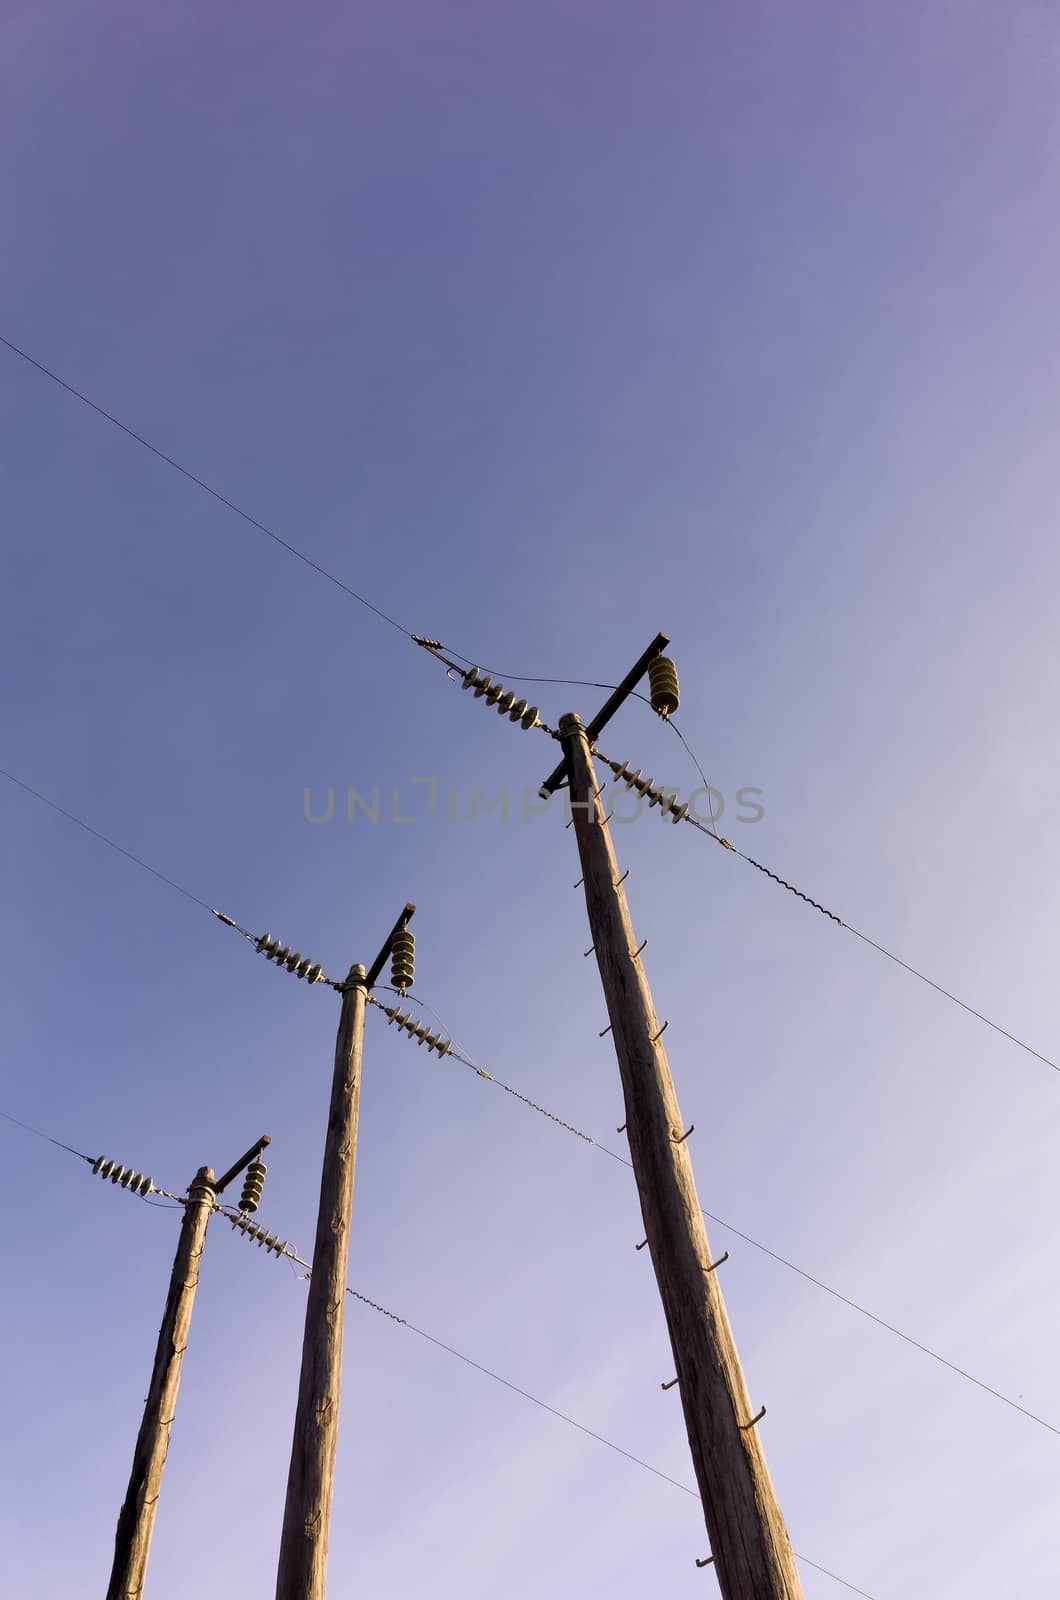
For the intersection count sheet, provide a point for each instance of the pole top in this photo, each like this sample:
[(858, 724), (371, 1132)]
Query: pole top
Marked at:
[(204, 1179), (609, 707)]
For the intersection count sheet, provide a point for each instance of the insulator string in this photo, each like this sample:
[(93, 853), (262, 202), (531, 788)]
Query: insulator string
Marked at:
[(504, 700), (293, 960), (416, 1030)]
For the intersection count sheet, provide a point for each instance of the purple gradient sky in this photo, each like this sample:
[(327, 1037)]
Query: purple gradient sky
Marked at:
[(548, 327)]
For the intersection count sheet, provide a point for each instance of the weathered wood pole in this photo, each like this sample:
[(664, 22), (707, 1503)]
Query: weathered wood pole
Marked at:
[(749, 1542), (307, 1513), (132, 1541)]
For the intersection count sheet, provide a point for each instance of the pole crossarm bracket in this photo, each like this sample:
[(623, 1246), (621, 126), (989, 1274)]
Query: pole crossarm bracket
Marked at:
[(608, 709), (384, 955)]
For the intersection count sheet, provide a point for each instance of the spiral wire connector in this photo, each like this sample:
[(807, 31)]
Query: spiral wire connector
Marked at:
[(293, 960), (647, 787), (663, 687), (253, 1184), (125, 1177), (403, 959), (505, 700), (260, 1235), (433, 1041)]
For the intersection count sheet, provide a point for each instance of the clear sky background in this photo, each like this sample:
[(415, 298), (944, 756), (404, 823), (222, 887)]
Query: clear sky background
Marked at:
[(547, 326)]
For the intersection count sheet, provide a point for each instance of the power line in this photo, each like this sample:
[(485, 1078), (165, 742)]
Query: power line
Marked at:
[(261, 527), (282, 1250), (819, 1283), (135, 1183), (271, 948), (872, 943), (361, 599), (646, 788), (533, 1105), (111, 843), (29, 1128), (201, 483)]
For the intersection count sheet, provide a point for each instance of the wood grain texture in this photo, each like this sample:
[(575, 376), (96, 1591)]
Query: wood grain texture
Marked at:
[(752, 1554), (132, 1541), (302, 1569)]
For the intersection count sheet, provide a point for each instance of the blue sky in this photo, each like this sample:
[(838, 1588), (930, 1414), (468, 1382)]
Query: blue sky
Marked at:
[(546, 327)]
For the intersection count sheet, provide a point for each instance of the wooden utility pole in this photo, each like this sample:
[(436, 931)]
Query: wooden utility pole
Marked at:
[(302, 1568), (749, 1542), (132, 1541)]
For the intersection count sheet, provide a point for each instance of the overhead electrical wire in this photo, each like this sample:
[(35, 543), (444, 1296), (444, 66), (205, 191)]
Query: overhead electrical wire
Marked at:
[(533, 1105), (171, 883), (467, 1060), (134, 1183), (284, 1251), (385, 616), (201, 483), (907, 966), (29, 1128)]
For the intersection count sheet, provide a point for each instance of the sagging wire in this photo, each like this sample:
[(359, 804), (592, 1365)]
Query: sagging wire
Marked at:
[(435, 648), (505, 701)]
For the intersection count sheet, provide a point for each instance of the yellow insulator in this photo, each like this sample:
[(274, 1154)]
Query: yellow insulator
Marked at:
[(403, 960), (253, 1184), (662, 681)]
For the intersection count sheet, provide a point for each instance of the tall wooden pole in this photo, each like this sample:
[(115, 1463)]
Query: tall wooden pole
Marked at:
[(136, 1522), (749, 1542), (307, 1513)]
